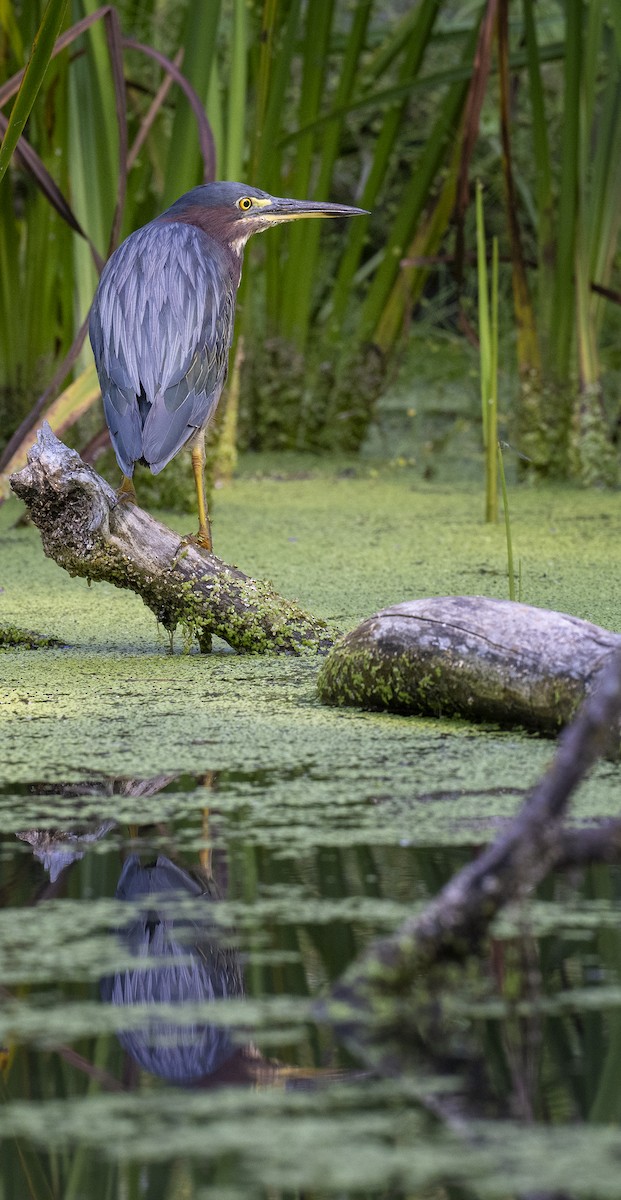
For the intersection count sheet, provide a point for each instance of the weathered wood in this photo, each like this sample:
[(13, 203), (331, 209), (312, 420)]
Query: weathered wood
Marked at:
[(472, 657), (89, 531)]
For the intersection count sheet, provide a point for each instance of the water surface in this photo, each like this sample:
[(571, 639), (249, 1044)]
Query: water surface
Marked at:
[(193, 850)]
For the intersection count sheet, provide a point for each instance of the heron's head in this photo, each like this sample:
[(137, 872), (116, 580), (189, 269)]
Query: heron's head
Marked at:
[(232, 212)]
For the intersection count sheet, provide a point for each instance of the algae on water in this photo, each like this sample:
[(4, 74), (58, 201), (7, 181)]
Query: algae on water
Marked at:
[(322, 829)]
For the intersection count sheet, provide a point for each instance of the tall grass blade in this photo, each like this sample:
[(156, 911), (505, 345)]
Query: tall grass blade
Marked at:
[(237, 98), (507, 516), (328, 153), (485, 352), (409, 285), (563, 310), (491, 505), (597, 230), (315, 53), (269, 154), (470, 132), (184, 168), (419, 34), (529, 359), (543, 170), (280, 67), (415, 195), (93, 139), (31, 161), (203, 127), (115, 51), (604, 209), (9, 24), (32, 79), (226, 455), (488, 357), (264, 82)]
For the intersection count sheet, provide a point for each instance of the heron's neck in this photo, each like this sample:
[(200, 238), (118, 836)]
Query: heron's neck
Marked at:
[(203, 219)]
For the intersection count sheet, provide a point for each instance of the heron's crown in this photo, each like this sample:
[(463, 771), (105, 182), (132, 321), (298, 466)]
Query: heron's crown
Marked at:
[(216, 195)]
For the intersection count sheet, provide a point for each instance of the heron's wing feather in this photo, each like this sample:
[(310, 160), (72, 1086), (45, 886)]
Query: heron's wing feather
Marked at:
[(161, 328), (121, 409), (181, 409)]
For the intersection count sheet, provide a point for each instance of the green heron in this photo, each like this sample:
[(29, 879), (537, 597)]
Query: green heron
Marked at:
[(162, 319)]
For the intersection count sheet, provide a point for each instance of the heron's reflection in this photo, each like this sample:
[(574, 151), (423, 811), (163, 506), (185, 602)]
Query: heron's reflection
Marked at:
[(193, 965), (191, 962), (57, 849)]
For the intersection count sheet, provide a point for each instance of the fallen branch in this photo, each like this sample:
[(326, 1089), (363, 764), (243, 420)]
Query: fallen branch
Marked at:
[(453, 925), (87, 530), (588, 847)]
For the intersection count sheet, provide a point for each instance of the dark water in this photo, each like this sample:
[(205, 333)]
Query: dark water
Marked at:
[(160, 1022)]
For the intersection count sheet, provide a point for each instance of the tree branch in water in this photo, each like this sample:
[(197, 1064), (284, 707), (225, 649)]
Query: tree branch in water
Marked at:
[(454, 924), (87, 530)]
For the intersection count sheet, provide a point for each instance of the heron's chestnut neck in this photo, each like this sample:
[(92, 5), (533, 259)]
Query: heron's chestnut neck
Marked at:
[(217, 223)]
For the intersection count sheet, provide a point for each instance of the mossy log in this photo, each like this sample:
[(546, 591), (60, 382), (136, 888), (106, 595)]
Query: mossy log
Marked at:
[(472, 657), (89, 531)]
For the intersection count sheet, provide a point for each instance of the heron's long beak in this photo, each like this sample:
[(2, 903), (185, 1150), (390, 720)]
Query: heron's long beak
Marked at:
[(293, 210)]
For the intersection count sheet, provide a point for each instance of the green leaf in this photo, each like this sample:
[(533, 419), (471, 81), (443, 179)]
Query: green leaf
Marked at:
[(563, 311), (33, 78), (183, 167)]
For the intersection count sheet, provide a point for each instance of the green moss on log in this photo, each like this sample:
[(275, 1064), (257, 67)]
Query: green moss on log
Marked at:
[(469, 657)]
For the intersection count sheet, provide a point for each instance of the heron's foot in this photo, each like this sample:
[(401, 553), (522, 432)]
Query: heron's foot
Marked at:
[(127, 492), (202, 539)]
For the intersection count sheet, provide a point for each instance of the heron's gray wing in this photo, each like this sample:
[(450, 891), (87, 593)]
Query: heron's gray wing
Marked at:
[(120, 402), (161, 328)]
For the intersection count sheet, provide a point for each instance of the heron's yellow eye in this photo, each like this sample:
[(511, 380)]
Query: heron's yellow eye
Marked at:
[(245, 203)]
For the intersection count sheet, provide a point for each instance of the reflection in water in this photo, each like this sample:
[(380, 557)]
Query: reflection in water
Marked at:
[(56, 849), (532, 1034), (192, 966), (180, 960)]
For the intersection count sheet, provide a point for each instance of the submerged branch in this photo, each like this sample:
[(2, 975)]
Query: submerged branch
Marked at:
[(453, 925), (597, 844), (87, 530)]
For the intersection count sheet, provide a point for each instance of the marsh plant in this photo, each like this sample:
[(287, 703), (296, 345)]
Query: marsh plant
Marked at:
[(124, 107)]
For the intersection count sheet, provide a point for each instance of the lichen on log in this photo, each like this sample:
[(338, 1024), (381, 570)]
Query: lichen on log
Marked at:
[(90, 532), (471, 657)]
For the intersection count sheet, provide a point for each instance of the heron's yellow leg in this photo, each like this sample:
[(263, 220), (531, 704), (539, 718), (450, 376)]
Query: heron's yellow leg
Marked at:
[(127, 490), (198, 467), (205, 854)]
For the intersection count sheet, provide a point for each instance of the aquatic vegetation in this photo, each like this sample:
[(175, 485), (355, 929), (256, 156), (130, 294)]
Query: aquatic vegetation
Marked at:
[(12, 638), (321, 829)]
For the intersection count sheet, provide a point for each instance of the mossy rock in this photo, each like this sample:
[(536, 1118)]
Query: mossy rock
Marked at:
[(470, 657)]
